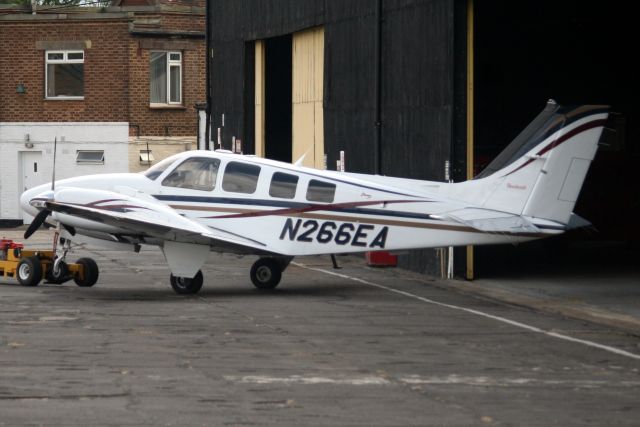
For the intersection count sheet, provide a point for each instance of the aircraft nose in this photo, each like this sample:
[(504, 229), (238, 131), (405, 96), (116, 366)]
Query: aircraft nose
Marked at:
[(28, 195), (24, 202)]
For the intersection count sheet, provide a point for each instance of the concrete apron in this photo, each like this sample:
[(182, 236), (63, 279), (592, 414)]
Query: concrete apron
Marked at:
[(610, 298)]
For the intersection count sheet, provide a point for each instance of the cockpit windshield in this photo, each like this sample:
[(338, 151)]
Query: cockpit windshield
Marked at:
[(195, 173), (156, 170)]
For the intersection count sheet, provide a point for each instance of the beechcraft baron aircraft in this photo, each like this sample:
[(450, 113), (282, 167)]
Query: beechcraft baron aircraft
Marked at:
[(198, 201)]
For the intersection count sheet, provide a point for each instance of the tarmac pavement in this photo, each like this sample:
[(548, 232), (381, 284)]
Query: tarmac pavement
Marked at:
[(351, 347)]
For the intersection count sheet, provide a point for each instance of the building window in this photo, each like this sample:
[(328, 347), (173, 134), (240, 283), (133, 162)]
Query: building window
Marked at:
[(165, 78), (90, 157), (65, 74), (146, 157)]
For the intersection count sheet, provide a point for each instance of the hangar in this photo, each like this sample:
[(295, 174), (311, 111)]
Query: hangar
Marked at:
[(403, 86)]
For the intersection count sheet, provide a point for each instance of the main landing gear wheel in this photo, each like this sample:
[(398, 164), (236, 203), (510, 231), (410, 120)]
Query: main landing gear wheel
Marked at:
[(59, 276), (266, 273), (29, 271), (89, 275), (185, 285)]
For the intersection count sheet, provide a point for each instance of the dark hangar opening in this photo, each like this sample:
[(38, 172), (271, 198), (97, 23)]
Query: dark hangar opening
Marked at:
[(575, 52), (278, 114)]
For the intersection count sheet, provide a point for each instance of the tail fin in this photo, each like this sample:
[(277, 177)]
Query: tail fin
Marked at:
[(541, 172)]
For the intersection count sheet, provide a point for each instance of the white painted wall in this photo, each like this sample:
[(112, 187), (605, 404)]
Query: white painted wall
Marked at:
[(111, 137), (202, 129)]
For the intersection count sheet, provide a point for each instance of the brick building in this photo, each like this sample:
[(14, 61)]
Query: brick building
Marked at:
[(110, 84)]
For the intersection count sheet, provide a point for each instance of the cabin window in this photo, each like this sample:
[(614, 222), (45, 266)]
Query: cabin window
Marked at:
[(320, 191), (240, 178), (283, 185), (90, 157), (197, 173)]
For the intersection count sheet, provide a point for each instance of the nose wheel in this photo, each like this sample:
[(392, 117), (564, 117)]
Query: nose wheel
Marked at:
[(58, 272)]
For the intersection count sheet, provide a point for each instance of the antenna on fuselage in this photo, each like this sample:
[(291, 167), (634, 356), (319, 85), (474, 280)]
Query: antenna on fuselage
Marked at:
[(301, 159)]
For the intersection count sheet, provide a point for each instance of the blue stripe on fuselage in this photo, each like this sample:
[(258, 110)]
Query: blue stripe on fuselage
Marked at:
[(291, 205)]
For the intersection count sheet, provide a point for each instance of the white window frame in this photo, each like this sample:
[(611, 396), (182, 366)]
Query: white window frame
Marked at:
[(170, 63), (65, 60), (146, 157)]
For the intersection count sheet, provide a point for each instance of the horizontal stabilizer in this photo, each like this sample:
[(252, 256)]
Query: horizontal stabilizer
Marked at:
[(491, 221), (576, 221), (540, 174)]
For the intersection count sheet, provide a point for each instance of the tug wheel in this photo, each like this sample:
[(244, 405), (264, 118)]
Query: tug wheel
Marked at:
[(186, 285), (266, 273), (29, 271), (90, 273)]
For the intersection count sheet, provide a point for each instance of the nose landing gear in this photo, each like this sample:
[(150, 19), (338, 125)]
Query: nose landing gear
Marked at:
[(84, 272), (58, 272)]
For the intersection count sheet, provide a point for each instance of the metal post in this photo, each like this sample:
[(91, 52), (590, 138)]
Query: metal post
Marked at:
[(207, 67), (377, 144), (447, 177), (470, 102)]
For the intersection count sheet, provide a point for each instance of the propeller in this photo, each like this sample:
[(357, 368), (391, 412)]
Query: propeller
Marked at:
[(37, 222), (44, 213)]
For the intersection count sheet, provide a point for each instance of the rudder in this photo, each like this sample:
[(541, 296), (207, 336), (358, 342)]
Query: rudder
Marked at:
[(540, 174)]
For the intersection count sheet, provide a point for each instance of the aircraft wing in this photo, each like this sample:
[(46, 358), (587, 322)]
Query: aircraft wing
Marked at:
[(145, 218), (491, 221)]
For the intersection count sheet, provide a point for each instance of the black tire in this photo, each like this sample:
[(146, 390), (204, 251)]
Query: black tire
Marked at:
[(185, 285), (266, 273), (29, 271), (61, 276), (90, 270)]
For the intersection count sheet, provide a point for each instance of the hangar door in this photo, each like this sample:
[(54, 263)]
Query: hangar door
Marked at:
[(290, 70), (307, 97)]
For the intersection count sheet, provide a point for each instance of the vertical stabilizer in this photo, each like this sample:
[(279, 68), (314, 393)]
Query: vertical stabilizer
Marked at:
[(541, 172)]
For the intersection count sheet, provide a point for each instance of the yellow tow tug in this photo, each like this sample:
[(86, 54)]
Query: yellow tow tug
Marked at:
[(29, 267)]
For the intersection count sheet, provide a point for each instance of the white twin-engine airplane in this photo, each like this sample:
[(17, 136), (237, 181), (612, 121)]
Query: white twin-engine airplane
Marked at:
[(198, 201)]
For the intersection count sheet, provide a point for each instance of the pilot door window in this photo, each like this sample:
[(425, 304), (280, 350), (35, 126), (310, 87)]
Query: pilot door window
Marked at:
[(194, 174), (240, 178)]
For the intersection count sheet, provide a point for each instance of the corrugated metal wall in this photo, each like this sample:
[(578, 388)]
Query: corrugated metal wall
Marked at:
[(417, 75)]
